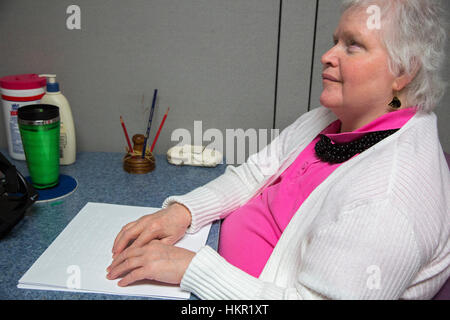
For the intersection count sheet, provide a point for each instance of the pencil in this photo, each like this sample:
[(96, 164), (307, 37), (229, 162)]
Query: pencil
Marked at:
[(149, 123), (159, 130), (126, 135)]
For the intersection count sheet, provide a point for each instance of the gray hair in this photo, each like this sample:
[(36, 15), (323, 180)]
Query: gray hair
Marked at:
[(415, 38)]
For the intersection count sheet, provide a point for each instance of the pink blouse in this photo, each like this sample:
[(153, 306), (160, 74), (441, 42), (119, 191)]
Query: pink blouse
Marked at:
[(249, 234)]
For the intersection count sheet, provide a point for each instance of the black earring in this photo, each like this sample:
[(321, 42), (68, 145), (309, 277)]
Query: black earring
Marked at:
[(396, 103)]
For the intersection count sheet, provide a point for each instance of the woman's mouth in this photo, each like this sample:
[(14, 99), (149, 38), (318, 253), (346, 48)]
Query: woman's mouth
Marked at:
[(329, 77)]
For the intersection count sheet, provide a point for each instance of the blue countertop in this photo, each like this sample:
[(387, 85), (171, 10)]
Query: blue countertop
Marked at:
[(100, 178)]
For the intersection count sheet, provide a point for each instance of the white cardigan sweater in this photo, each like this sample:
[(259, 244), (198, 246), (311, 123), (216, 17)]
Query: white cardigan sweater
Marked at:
[(377, 228)]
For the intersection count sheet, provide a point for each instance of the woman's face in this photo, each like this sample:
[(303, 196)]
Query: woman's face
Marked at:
[(357, 83)]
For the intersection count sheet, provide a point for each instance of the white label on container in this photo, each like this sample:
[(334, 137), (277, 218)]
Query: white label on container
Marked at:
[(16, 140), (13, 127), (62, 140)]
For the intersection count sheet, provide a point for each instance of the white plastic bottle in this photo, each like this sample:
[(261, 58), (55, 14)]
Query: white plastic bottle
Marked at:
[(67, 145)]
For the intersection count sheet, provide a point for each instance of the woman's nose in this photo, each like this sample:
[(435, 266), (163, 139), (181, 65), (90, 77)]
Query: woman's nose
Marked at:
[(330, 58)]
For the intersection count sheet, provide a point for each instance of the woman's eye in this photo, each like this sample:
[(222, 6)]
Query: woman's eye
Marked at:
[(353, 45)]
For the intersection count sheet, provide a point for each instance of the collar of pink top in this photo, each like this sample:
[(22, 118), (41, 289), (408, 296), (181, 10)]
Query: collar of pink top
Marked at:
[(388, 121)]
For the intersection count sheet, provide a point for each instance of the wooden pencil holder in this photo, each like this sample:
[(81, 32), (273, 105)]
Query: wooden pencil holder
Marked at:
[(133, 162)]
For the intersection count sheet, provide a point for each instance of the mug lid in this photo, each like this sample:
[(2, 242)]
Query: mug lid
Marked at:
[(35, 112), (22, 82)]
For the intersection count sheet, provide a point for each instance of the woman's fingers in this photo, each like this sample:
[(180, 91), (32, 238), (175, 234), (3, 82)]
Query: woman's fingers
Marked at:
[(156, 261), (127, 254), (168, 224), (132, 231), (125, 267), (133, 276), (119, 235), (145, 237), (127, 235)]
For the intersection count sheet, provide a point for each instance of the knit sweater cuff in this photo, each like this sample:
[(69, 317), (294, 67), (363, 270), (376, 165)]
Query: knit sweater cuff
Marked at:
[(208, 203), (209, 276), (202, 204)]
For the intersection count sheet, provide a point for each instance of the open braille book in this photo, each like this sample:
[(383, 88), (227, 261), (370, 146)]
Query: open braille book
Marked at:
[(77, 259)]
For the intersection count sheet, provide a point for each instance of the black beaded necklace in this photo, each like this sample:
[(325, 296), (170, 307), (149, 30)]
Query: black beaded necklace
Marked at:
[(340, 152)]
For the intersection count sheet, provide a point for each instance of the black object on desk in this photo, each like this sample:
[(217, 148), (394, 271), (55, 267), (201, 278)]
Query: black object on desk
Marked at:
[(16, 196)]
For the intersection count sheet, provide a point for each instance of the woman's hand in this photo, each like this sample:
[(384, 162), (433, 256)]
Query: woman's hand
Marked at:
[(154, 261), (168, 225)]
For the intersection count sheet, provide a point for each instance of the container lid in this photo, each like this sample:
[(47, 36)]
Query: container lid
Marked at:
[(35, 112), (22, 81)]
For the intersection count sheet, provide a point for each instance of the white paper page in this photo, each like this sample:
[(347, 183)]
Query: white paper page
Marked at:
[(80, 254)]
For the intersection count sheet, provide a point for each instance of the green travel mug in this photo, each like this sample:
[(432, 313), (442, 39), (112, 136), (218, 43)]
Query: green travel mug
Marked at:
[(39, 127)]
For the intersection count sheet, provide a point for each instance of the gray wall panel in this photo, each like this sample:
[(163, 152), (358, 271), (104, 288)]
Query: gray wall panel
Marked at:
[(211, 60), (443, 109), (296, 38)]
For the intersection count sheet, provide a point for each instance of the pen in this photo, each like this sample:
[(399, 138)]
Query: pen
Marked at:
[(149, 122)]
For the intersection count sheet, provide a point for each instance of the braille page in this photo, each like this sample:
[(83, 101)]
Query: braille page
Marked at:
[(77, 259)]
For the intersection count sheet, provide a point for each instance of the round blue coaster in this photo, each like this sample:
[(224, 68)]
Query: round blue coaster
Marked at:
[(67, 185)]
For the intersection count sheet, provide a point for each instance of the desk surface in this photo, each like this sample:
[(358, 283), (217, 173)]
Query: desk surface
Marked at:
[(100, 179)]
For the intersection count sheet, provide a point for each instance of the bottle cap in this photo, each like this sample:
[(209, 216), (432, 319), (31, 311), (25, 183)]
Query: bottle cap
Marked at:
[(52, 85)]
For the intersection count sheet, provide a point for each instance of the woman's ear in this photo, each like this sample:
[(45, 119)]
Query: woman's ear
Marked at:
[(405, 78), (400, 83)]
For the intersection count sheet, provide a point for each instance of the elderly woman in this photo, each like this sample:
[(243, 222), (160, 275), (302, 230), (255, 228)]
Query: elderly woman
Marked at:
[(351, 201)]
